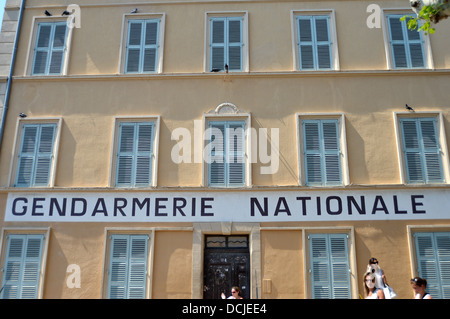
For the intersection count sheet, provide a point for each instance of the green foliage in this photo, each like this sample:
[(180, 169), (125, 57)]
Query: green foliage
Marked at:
[(428, 15)]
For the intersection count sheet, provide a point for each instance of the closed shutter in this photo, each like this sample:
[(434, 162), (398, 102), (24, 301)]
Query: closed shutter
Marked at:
[(50, 48), (421, 150), (314, 42), (142, 46), (226, 44), (406, 45), (227, 154), (330, 271), (433, 260), (128, 267), (322, 152), (135, 153), (36, 155), (22, 267)]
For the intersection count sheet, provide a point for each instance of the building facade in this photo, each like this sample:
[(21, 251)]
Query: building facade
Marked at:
[(174, 149)]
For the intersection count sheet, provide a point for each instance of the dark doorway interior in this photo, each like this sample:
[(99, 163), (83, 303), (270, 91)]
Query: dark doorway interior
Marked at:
[(227, 264)]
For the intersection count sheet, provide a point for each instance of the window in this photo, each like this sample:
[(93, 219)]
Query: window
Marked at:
[(50, 48), (135, 154), (329, 266), (421, 150), (315, 41), (128, 263), (142, 47), (144, 43), (226, 153), (433, 260), (36, 155), (407, 49), (322, 152), (22, 266), (227, 42)]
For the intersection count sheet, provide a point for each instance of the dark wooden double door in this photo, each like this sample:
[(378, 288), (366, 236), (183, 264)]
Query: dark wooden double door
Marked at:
[(227, 264)]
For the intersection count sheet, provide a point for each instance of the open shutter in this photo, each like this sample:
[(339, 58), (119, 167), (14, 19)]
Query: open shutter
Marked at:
[(330, 278), (22, 267), (236, 154), (128, 267), (422, 151), (433, 260)]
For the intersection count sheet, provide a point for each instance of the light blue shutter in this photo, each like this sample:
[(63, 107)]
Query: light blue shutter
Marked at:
[(227, 157), (322, 152), (226, 43), (142, 46), (128, 267), (36, 155), (135, 153), (433, 260), (330, 275), (421, 150), (236, 153), (50, 48), (406, 45), (314, 42), (217, 154), (22, 267)]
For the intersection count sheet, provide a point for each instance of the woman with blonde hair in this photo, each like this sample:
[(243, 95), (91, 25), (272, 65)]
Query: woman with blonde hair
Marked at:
[(372, 292)]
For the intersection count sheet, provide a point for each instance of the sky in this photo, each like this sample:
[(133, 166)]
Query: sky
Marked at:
[(2, 9)]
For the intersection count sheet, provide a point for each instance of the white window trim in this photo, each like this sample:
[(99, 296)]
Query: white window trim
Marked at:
[(343, 144), (350, 231), (219, 116), (32, 43), (115, 145), (124, 40), (17, 141), (442, 142), (428, 56), (333, 37), (27, 231), (207, 36)]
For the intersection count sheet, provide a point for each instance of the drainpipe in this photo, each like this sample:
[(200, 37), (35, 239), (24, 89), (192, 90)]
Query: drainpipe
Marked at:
[(11, 71)]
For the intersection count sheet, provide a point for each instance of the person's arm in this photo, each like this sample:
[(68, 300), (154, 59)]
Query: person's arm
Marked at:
[(380, 294)]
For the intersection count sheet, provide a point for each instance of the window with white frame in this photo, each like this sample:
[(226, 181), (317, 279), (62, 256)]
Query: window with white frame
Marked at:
[(36, 155), (22, 266), (432, 250), (421, 150), (135, 154), (226, 153), (407, 48), (50, 48), (315, 41), (227, 42), (329, 266), (128, 266), (322, 152)]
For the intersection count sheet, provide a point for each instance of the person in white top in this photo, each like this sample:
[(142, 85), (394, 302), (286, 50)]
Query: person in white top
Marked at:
[(372, 292), (419, 285)]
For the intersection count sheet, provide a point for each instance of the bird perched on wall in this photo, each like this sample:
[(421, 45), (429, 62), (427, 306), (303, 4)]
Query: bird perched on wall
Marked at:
[(409, 108), (65, 13), (22, 115), (48, 14), (134, 11), (226, 68)]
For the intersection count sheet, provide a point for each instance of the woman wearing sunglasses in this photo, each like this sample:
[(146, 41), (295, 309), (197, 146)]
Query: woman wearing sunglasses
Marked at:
[(372, 292), (235, 294)]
